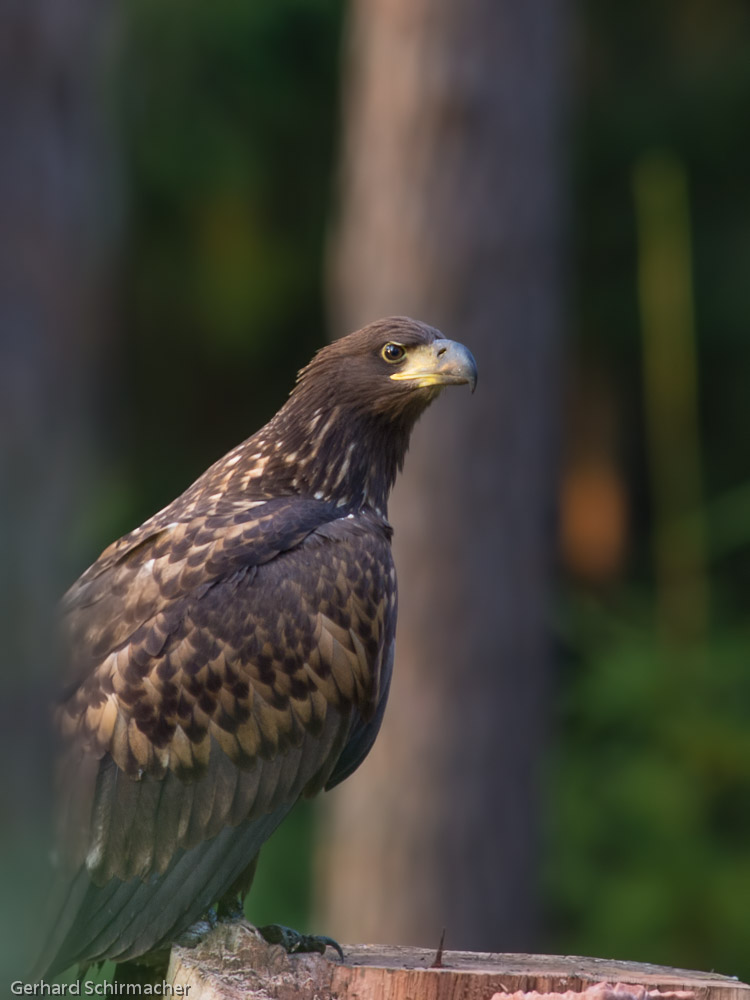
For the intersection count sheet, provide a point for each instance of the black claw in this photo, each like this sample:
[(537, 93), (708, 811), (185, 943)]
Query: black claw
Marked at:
[(329, 943), (295, 943), (197, 931)]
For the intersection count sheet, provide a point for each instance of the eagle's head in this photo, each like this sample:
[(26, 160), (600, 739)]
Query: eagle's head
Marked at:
[(393, 367), (342, 435)]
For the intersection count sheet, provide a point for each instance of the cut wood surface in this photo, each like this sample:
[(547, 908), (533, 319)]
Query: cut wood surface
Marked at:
[(232, 963)]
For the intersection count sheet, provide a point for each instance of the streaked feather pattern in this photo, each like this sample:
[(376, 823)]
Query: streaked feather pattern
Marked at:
[(230, 656)]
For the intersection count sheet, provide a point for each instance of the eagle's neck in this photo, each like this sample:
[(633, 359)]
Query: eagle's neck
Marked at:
[(346, 455)]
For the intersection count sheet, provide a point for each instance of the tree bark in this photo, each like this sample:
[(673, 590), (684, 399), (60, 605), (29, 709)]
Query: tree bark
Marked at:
[(56, 224), (451, 211), (232, 964)]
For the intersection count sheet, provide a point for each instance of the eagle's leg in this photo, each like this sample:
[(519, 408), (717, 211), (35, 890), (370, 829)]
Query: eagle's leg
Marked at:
[(230, 907), (293, 942)]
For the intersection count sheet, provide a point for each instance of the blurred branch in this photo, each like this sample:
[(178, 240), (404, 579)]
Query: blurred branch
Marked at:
[(671, 392)]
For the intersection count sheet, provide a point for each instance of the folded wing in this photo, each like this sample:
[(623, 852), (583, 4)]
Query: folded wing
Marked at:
[(222, 667)]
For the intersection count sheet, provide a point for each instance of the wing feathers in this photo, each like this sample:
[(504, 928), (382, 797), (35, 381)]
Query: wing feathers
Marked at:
[(222, 680)]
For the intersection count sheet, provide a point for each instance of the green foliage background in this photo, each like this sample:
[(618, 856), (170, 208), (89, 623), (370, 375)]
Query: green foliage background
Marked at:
[(649, 833), (228, 115)]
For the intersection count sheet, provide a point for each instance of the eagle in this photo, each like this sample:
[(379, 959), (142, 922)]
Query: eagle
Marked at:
[(234, 653)]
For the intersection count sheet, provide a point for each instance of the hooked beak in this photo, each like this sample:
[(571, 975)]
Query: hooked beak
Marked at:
[(443, 362)]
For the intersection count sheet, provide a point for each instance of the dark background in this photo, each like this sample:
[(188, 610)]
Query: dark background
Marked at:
[(221, 136)]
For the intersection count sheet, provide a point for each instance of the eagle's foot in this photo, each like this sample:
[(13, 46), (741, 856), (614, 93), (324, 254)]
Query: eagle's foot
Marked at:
[(197, 931), (294, 943)]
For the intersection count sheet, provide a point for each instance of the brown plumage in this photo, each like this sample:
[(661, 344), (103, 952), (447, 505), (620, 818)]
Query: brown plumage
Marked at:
[(234, 652)]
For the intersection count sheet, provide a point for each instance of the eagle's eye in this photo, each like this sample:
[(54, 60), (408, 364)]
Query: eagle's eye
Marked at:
[(393, 353)]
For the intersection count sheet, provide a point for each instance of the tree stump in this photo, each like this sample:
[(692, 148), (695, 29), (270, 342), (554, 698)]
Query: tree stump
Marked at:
[(232, 963)]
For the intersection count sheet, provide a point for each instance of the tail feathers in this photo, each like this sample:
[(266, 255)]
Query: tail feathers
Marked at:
[(65, 902), (123, 920)]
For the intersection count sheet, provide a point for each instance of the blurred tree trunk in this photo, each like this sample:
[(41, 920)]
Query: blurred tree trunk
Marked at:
[(55, 228), (452, 193)]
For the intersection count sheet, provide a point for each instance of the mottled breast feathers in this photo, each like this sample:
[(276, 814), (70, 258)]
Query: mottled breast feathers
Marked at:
[(236, 635)]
